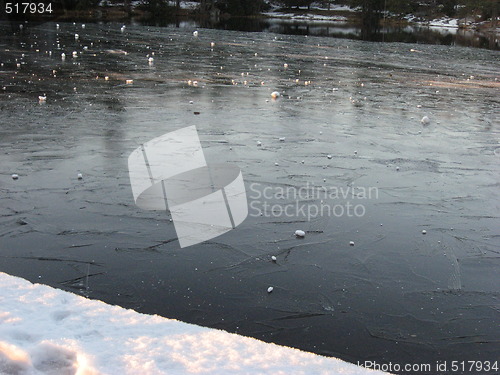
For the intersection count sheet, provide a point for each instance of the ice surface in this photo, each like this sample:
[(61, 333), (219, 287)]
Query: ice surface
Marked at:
[(397, 294)]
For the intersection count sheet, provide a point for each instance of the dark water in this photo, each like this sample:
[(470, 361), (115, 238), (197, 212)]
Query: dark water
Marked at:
[(345, 30), (396, 296)]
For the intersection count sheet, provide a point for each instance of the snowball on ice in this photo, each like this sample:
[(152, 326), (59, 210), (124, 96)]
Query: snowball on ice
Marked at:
[(300, 233), (425, 120)]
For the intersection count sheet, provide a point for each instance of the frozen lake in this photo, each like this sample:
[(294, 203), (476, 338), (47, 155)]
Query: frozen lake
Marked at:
[(351, 114)]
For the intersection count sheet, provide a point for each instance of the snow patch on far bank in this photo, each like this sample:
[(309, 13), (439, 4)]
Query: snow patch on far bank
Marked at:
[(334, 7), (444, 22), (191, 5), (306, 17), (48, 331)]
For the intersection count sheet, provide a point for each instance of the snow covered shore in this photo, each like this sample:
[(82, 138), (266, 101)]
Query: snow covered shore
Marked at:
[(48, 331), (305, 17)]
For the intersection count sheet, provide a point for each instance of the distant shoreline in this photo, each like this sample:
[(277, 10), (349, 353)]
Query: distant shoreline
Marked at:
[(301, 15), (340, 15)]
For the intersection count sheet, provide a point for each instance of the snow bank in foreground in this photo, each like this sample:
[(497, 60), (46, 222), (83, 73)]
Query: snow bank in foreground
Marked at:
[(49, 331)]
